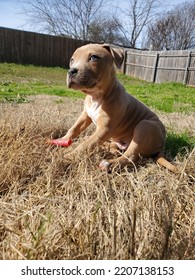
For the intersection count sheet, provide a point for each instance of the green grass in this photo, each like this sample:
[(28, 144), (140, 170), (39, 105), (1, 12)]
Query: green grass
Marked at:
[(19, 81), (179, 143), (166, 97)]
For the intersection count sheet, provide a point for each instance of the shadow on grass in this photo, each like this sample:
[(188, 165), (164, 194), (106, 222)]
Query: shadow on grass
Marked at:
[(179, 143)]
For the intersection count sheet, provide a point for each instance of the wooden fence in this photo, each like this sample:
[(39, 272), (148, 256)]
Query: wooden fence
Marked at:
[(46, 50), (164, 66), (34, 48)]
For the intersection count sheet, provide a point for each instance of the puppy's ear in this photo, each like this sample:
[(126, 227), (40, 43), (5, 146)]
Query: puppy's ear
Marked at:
[(117, 54)]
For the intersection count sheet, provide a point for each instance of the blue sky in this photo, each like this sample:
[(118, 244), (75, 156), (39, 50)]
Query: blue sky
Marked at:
[(10, 13)]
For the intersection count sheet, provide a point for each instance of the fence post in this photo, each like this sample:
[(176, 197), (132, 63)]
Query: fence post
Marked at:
[(124, 62), (187, 68), (155, 67)]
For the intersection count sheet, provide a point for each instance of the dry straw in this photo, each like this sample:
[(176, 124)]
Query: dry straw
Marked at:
[(54, 209)]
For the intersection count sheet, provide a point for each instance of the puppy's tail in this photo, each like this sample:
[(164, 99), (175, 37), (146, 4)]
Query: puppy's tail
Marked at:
[(162, 161)]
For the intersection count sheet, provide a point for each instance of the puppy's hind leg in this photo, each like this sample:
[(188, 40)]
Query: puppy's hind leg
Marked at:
[(130, 157)]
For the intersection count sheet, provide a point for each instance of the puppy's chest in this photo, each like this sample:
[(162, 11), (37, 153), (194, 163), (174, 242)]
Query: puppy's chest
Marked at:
[(93, 111)]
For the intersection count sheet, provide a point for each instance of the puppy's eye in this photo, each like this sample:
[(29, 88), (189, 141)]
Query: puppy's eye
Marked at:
[(94, 57), (71, 61)]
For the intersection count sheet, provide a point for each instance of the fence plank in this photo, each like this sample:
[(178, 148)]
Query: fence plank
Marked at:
[(187, 68)]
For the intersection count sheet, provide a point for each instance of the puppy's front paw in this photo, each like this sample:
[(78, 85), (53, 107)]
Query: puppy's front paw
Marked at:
[(105, 165)]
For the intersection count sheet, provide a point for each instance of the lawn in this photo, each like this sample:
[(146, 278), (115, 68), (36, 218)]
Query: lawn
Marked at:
[(52, 208), (18, 81)]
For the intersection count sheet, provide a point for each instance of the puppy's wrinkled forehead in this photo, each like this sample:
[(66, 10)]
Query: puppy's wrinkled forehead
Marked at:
[(90, 53)]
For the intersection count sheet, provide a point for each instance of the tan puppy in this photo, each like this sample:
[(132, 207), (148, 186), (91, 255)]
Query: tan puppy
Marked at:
[(118, 116)]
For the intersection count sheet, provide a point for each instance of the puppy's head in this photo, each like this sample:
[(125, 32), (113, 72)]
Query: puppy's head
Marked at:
[(92, 67)]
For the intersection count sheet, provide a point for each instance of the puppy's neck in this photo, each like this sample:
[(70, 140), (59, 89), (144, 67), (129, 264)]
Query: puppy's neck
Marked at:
[(96, 98)]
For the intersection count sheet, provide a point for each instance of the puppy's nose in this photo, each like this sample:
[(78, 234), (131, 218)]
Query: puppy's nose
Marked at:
[(72, 71)]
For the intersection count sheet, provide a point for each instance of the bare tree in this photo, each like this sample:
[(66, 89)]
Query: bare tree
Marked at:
[(107, 29), (175, 29), (138, 16), (64, 17)]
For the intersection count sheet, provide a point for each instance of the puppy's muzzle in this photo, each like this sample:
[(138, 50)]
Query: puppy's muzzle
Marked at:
[(71, 77)]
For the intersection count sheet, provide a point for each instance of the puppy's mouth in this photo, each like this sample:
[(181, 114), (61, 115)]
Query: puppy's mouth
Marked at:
[(77, 84)]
